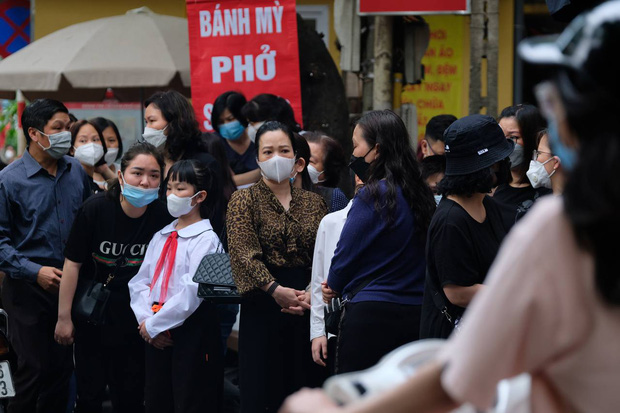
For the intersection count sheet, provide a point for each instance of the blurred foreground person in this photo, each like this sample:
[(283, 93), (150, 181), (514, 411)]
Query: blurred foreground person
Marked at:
[(550, 311)]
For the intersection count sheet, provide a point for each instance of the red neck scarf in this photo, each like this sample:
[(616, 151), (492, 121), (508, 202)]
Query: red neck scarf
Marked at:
[(167, 257)]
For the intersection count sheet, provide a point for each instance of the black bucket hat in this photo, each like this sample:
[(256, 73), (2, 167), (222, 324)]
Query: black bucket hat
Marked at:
[(473, 143)]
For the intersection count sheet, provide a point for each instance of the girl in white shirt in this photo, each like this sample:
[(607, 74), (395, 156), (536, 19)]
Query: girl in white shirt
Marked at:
[(184, 367)]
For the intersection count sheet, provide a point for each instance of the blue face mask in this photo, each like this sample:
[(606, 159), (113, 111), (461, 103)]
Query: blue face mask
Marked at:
[(567, 155), (137, 196), (231, 130)]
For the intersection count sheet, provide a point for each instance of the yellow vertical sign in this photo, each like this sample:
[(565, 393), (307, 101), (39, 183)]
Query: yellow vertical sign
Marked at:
[(441, 91)]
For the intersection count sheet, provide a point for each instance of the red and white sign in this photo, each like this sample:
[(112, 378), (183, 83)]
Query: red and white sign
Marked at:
[(249, 46), (408, 7)]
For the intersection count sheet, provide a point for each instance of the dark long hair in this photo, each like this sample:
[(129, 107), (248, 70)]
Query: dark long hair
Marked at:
[(103, 124), (481, 182), (197, 175), (397, 165), (139, 148), (333, 161), (266, 107), (530, 122), (215, 148), (592, 194), (183, 132), (231, 100), (271, 126), (303, 151), (75, 129)]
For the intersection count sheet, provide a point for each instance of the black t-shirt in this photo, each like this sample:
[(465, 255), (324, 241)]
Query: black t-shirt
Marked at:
[(515, 202), (100, 233), (459, 251), (241, 163), (93, 186)]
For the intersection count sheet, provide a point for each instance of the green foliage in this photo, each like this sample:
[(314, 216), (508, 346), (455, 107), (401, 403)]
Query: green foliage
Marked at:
[(8, 115)]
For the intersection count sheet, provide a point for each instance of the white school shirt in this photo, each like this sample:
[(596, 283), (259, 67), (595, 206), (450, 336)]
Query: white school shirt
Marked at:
[(193, 243), (327, 238)]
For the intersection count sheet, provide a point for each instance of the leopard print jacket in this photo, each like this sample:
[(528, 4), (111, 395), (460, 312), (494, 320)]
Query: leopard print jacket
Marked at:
[(261, 232)]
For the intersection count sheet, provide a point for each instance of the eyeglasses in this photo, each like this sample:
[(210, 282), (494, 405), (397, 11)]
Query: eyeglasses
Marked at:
[(537, 153), (430, 147)]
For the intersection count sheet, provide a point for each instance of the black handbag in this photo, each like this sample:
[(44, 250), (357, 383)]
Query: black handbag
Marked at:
[(215, 281), (334, 310), (333, 314), (91, 296), (89, 302)]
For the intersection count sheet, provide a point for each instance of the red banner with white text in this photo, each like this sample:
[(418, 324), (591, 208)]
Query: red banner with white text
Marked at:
[(249, 46)]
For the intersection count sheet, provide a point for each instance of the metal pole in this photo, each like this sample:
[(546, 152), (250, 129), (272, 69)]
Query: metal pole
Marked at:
[(368, 66), (492, 49), (382, 86), (519, 34), (476, 30)]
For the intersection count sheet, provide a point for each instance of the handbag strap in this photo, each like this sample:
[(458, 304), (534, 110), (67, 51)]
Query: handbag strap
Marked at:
[(365, 281), (438, 299), (120, 261)]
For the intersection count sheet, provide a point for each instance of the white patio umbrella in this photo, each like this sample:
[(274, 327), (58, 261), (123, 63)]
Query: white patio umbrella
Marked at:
[(139, 49)]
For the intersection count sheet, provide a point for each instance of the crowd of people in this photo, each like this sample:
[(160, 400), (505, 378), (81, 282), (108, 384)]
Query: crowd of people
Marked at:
[(404, 259)]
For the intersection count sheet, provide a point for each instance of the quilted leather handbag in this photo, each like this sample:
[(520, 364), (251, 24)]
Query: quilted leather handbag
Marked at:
[(215, 281)]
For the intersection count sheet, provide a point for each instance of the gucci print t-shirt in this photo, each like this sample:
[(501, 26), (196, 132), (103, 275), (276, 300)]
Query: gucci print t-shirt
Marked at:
[(101, 233)]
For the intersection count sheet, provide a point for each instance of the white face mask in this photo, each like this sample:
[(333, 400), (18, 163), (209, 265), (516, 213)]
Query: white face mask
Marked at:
[(155, 137), (314, 174), (178, 206), (278, 168), (253, 129), (89, 154), (111, 155), (538, 176)]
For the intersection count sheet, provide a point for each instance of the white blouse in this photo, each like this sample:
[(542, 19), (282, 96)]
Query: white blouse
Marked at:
[(193, 243), (326, 240)]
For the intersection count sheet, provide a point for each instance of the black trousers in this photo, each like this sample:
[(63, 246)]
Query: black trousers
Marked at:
[(110, 355), (187, 377), (371, 329), (43, 366), (275, 357)]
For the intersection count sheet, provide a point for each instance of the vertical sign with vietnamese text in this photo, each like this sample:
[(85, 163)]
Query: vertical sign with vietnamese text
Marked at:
[(441, 90), (249, 46)]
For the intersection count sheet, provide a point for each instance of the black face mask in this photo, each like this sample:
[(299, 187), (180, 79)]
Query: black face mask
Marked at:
[(502, 174), (359, 166)]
